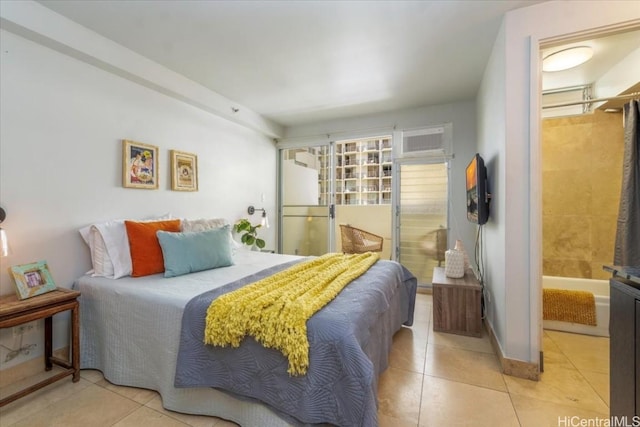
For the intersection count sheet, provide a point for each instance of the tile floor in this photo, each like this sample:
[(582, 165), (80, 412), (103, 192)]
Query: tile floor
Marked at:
[(434, 379)]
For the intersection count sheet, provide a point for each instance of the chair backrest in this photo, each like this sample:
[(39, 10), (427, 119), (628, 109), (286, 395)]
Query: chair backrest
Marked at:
[(441, 243), (357, 241), (434, 244)]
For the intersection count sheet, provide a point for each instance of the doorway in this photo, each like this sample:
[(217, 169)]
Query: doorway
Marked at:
[(306, 182), (422, 189), (577, 232)]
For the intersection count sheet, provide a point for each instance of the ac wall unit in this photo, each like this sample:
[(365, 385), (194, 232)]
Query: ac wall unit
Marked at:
[(434, 141)]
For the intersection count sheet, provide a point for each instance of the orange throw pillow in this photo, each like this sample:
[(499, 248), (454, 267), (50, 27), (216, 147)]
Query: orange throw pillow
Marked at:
[(146, 253)]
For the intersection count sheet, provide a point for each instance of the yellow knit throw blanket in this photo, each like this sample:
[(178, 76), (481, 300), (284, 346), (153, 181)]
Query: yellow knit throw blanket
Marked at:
[(275, 310)]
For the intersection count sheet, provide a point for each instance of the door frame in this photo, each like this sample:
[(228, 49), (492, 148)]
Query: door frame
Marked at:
[(326, 139), (536, 45), (281, 147), (395, 194)]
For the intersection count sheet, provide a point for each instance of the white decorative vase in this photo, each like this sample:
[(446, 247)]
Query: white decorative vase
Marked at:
[(454, 263)]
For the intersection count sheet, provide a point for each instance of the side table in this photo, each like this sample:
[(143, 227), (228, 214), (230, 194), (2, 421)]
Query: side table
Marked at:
[(457, 306), (15, 312)]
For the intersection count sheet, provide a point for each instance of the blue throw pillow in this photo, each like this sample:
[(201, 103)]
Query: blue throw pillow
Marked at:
[(193, 251)]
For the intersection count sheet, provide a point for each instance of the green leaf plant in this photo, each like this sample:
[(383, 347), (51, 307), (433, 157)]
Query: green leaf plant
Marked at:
[(249, 233)]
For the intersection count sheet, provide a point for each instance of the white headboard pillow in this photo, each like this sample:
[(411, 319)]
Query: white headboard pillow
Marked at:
[(109, 247)]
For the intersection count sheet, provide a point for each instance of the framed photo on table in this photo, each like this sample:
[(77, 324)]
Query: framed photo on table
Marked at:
[(32, 279), (139, 165), (184, 171)]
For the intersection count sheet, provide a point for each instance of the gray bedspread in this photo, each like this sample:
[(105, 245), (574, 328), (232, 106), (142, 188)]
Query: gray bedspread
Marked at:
[(349, 343)]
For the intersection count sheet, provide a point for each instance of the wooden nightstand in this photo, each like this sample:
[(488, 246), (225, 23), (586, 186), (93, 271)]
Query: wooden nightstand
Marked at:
[(15, 312), (457, 306)]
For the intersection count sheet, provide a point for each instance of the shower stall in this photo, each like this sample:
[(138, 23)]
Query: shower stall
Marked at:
[(581, 164)]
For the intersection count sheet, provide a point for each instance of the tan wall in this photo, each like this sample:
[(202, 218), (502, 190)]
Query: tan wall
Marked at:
[(581, 177)]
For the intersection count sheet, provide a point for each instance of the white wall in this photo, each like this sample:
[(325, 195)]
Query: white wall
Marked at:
[(61, 159), (620, 77), (508, 123), (300, 184), (491, 102), (461, 115)]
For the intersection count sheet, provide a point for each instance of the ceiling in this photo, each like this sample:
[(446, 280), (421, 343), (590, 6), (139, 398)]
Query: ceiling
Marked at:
[(297, 62), (607, 51)]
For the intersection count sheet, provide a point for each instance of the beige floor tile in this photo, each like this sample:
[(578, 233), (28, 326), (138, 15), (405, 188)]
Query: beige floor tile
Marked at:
[(224, 423), (548, 343), (561, 385), (482, 344), (539, 413), (600, 383), (95, 407), (470, 367), (139, 395), (409, 351), (422, 321), (422, 311), (450, 403), (39, 400), (399, 394), (553, 356), (191, 420), (585, 352), (91, 375), (385, 421), (144, 416), (423, 300)]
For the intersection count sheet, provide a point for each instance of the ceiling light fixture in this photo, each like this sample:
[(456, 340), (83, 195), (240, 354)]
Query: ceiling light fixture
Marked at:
[(567, 58)]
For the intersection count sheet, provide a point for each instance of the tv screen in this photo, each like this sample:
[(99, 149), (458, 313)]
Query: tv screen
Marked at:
[(477, 194)]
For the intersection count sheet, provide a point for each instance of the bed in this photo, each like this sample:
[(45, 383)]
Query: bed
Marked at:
[(131, 331)]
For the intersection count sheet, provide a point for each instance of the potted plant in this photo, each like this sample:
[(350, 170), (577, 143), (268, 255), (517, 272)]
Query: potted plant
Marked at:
[(249, 233)]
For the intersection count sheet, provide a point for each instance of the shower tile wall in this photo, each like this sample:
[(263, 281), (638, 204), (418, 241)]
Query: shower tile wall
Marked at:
[(581, 178)]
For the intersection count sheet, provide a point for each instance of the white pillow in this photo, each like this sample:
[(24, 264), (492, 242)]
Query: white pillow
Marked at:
[(209, 224), (85, 232), (116, 243), (110, 238), (203, 224), (102, 265)]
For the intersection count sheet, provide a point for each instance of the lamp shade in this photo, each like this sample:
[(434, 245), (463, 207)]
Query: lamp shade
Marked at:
[(265, 219)]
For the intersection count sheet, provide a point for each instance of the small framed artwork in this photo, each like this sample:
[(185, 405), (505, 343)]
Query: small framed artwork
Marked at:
[(184, 171), (139, 165), (32, 279)]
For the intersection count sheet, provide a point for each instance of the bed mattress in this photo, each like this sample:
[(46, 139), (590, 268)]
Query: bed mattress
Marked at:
[(130, 330)]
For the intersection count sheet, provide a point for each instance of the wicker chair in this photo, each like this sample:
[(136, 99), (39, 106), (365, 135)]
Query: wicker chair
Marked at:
[(434, 244), (356, 241)]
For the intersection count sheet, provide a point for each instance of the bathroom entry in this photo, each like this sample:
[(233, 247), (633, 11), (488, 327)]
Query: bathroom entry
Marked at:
[(581, 145)]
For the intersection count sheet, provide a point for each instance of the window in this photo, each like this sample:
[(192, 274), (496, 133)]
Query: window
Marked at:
[(363, 172)]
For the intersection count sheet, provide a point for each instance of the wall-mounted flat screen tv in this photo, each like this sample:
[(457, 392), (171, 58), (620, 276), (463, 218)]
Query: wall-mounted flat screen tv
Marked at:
[(478, 196)]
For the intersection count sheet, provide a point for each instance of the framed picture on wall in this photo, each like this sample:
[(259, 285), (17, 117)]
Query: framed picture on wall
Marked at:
[(139, 165), (184, 171), (32, 279)]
